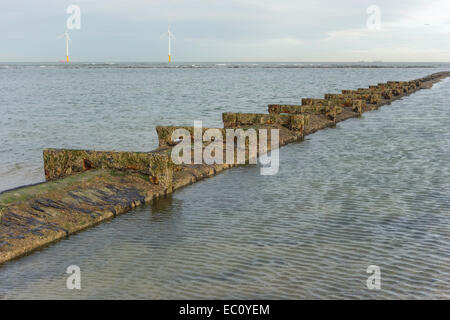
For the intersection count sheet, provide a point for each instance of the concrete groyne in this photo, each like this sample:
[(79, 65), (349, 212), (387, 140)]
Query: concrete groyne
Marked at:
[(86, 187)]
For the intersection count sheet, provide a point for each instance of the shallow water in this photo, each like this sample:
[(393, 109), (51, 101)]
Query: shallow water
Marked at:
[(372, 191), (117, 106)]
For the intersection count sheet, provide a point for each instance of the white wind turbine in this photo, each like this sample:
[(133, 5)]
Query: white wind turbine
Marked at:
[(169, 36), (66, 35)]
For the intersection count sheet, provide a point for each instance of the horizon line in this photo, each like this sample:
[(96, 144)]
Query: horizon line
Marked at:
[(220, 61)]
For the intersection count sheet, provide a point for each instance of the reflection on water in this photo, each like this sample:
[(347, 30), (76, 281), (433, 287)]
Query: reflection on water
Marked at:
[(372, 191)]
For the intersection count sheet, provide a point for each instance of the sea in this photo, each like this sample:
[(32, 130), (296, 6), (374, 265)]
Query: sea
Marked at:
[(373, 191)]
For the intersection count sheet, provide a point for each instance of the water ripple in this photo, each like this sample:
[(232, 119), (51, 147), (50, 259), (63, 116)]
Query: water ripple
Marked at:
[(372, 191)]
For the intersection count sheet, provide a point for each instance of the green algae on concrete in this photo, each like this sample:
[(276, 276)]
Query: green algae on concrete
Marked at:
[(316, 102), (235, 120), (165, 132), (347, 99), (40, 214), (327, 110), (27, 192), (59, 163)]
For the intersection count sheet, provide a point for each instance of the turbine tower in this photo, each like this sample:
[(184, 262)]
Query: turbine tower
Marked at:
[(66, 35), (170, 36)]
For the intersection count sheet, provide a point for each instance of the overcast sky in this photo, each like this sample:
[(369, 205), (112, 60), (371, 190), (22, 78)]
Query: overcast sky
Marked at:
[(226, 30)]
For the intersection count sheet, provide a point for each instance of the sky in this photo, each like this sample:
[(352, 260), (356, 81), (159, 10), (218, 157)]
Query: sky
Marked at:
[(228, 30)]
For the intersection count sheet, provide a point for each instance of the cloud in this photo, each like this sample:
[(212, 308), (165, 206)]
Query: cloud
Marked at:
[(227, 30)]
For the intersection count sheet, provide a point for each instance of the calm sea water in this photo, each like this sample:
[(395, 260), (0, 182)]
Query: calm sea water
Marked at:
[(372, 191)]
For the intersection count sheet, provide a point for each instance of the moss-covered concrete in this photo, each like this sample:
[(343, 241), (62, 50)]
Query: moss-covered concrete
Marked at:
[(330, 111), (165, 134), (60, 163), (236, 120)]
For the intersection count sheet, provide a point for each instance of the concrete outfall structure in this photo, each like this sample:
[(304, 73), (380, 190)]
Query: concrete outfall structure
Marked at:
[(86, 187)]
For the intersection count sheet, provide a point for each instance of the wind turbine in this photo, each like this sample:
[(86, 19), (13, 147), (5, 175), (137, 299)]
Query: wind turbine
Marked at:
[(169, 36), (66, 35)]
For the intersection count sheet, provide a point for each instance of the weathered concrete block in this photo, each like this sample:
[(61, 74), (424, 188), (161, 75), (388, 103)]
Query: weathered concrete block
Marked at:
[(374, 98), (289, 109), (316, 102), (340, 99), (387, 93), (361, 91), (371, 98), (165, 134), (59, 163), (396, 91), (358, 106), (233, 120), (373, 94), (230, 119), (330, 96), (297, 122), (330, 110), (359, 103), (393, 83), (290, 121), (275, 108), (400, 87)]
